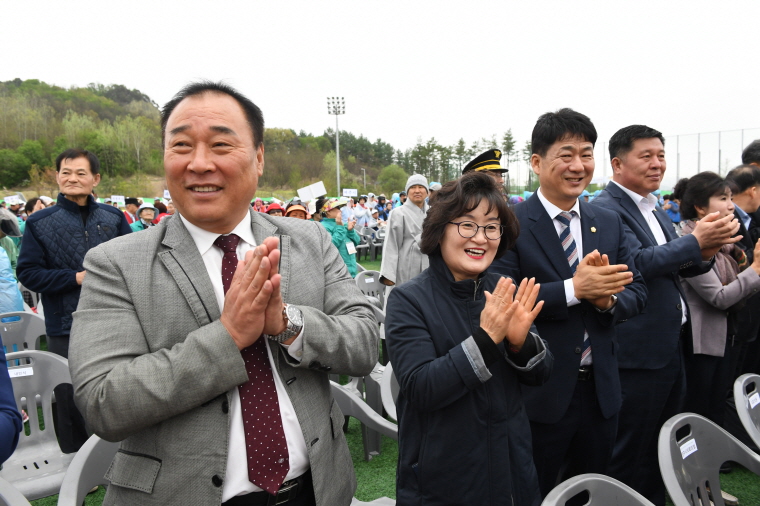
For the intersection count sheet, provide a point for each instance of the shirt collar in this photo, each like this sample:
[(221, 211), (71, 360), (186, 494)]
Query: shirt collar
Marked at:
[(744, 216), (649, 202), (205, 239), (554, 210)]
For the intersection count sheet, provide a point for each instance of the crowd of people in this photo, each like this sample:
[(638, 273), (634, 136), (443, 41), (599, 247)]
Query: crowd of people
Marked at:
[(533, 339)]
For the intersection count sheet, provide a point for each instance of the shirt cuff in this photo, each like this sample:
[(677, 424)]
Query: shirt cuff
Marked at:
[(570, 293), (295, 349)]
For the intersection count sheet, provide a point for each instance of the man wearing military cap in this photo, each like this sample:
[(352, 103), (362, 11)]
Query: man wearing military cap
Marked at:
[(490, 161)]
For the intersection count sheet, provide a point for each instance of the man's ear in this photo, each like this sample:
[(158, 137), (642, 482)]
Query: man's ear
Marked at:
[(259, 162), (535, 163), (616, 165)]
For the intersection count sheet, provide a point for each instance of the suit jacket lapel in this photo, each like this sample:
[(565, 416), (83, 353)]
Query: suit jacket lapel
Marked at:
[(665, 223), (589, 230), (632, 209), (546, 236), (184, 263)]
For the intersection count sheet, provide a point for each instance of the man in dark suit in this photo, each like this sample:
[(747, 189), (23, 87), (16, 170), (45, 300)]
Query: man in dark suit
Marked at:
[(744, 181), (580, 256), (651, 356), (751, 156)]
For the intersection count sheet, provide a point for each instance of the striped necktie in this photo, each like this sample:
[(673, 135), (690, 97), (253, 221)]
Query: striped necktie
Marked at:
[(571, 253)]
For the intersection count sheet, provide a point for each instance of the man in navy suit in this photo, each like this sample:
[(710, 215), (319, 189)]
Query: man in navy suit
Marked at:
[(651, 353), (580, 256)]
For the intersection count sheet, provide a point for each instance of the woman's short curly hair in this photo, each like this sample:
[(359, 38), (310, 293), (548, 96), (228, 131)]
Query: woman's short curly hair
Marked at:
[(459, 197)]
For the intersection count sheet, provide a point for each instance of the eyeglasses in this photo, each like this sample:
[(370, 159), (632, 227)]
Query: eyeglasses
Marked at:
[(468, 229)]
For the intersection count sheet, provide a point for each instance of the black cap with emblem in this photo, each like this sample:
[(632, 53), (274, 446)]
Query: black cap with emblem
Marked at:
[(490, 160)]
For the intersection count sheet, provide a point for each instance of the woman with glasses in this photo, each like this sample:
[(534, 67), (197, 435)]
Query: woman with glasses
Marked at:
[(460, 344)]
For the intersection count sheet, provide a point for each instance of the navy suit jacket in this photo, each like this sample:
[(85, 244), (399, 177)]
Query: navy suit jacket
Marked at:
[(650, 340), (538, 253)]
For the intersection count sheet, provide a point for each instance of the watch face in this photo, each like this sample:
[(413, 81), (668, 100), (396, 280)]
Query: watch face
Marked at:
[(294, 316)]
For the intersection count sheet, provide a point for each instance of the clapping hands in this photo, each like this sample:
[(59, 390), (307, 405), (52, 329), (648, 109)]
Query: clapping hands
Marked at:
[(509, 316)]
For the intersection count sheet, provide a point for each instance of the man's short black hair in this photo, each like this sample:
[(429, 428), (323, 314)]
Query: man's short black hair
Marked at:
[(71, 154), (622, 141), (742, 177), (751, 153), (555, 126), (252, 112)]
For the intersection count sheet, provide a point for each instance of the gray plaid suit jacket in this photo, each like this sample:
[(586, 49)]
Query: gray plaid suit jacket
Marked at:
[(152, 364)]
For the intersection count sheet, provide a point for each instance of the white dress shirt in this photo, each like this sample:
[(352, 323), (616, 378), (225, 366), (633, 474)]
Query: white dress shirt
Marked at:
[(575, 231), (236, 478), (647, 207)]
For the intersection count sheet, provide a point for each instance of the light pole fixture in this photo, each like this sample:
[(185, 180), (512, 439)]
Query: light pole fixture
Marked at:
[(364, 172), (336, 106)]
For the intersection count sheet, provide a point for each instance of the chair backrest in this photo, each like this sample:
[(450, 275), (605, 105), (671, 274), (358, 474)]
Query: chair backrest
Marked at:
[(22, 332), (389, 391), (601, 490), (369, 283), (87, 470), (691, 450), (351, 405), (37, 466), (10, 496), (747, 400)]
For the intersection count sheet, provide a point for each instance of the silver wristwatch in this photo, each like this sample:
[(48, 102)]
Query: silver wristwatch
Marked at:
[(294, 319)]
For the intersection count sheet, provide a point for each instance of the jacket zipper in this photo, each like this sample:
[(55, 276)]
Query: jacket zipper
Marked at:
[(475, 291)]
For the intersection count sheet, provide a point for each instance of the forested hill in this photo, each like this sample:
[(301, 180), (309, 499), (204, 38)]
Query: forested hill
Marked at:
[(122, 126)]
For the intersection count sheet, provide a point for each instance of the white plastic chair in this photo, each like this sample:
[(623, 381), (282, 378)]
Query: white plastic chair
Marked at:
[(369, 284), (389, 391), (87, 470), (22, 334), (691, 450), (9, 496), (747, 400), (601, 490), (37, 466)]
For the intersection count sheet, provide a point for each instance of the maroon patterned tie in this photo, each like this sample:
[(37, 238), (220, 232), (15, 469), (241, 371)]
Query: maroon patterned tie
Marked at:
[(264, 436)]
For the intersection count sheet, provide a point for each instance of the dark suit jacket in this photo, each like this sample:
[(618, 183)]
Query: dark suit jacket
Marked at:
[(538, 253), (748, 319), (650, 340)]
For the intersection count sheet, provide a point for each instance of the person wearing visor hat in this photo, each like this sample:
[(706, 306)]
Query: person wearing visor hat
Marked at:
[(275, 209), (9, 228), (344, 237), (145, 215), (296, 210)]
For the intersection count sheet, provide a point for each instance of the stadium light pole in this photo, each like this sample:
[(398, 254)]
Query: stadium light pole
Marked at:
[(336, 106)]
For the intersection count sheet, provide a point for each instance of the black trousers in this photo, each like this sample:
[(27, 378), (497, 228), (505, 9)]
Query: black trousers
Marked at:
[(709, 378), (69, 424), (581, 442), (650, 398)]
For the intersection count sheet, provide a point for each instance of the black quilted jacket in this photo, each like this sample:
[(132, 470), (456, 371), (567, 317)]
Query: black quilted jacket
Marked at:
[(53, 248)]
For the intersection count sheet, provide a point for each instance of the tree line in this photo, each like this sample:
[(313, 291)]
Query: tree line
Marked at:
[(122, 127)]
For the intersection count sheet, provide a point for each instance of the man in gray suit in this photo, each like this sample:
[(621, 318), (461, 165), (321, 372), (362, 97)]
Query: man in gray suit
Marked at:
[(207, 353)]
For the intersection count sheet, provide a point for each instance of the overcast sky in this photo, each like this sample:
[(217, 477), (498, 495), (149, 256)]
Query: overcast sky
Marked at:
[(412, 70)]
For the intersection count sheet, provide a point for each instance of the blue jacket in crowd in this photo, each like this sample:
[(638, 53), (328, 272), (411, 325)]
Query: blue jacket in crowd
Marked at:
[(53, 248)]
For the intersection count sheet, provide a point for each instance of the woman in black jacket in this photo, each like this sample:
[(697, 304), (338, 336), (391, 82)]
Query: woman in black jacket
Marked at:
[(459, 341)]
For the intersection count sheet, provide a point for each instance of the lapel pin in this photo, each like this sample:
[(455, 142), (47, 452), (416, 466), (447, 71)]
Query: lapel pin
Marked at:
[(593, 229)]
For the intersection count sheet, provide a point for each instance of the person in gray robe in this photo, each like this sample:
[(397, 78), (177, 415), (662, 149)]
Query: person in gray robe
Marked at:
[(402, 258)]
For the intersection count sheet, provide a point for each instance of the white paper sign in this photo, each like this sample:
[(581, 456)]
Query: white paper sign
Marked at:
[(11, 200), (118, 199), (312, 191), (369, 280), (21, 371), (351, 248), (350, 192), (688, 448), (754, 399), (166, 194)]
